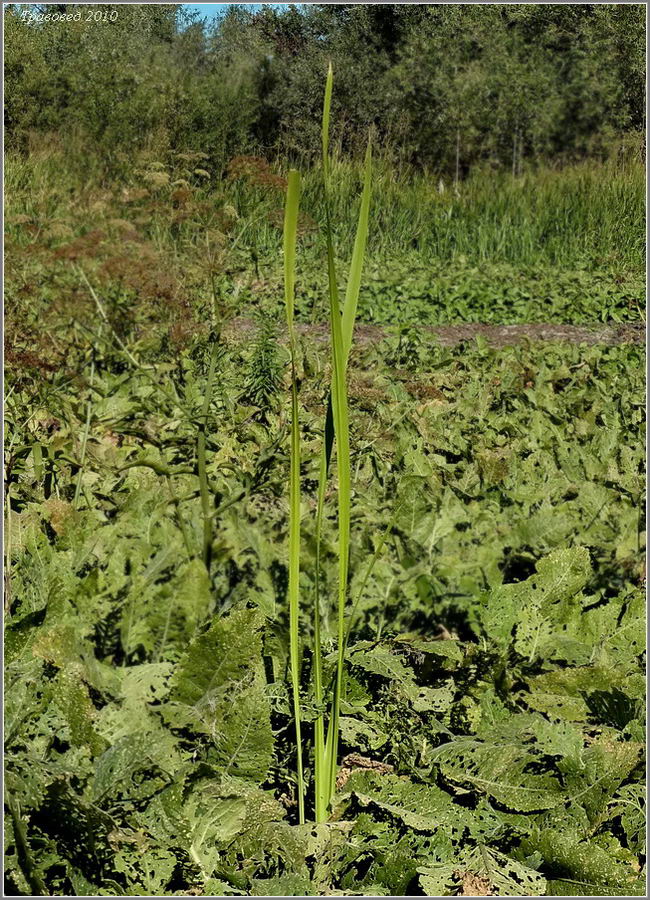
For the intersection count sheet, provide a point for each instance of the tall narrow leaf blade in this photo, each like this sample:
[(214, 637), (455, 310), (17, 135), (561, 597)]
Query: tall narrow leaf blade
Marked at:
[(356, 266), (325, 130), (341, 430), (290, 232)]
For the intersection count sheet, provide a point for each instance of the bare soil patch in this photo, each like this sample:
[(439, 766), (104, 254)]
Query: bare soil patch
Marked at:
[(495, 335)]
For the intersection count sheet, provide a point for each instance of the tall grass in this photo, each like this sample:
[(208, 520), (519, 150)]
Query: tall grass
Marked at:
[(204, 488), (579, 214), (585, 213), (290, 231), (336, 428)]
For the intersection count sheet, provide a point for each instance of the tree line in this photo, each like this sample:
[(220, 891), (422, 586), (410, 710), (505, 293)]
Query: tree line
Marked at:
[(444, 87)]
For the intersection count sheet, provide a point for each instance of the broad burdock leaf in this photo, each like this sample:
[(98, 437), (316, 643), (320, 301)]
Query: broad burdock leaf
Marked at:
[(592, 780), (219, 689), (529, 611), (439, 880), (556, 704), (191, 593), (265, 840), (499, 770), (215, 820), (131, 755), (26, 697), (204, 820), (360, 733), (483, 871), (63, 646), (146, 683), (506, 876), (533, 634), (557, 738), (437, 700), (71, 695), (573, 863), (447, 649), (607, 634), (625, 643), (165, 818), (423, 807), (141, 690), (379, 660), (630, 804), (289, 885), (147, 871), (324, 842), (580, 693)]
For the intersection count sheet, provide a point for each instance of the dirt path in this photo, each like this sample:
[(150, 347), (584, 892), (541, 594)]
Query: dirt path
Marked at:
[(495, 335)]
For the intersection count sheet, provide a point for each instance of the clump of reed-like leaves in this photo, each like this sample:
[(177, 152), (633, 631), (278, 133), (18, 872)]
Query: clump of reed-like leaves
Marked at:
[(327, 698)]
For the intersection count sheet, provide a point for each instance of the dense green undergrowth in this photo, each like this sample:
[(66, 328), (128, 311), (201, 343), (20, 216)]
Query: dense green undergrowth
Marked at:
[(467, 618), (492, 723), (555, 246), (409, 291)]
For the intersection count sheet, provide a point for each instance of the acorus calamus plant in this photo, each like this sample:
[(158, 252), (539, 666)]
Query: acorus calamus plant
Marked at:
[(327, 697)]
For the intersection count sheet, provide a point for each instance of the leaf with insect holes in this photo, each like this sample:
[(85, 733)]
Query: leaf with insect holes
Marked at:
[(573, 693), (216, 817), (147, 872), (360, 733), (438, 880), (257, 829), (202, 820), (380, 661), (605, 634), (218, 689), (623, 643), (533, 608), (165, 817), (423, 807), (500, 771), (557, 738), (286, 885), (437, 700), (141, 689), (506, 876), (630, 804), (483, 871), (581, 867), (62, 646), (71, 695), (191, 593), (448, 650), (133, 754), (592, 780)]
